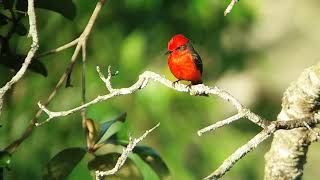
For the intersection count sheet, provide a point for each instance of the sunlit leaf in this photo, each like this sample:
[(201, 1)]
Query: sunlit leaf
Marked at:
[(64, 7), (61, 165), (146, 171), (147, 160), (109, 128), (107, 162), (5, 159)]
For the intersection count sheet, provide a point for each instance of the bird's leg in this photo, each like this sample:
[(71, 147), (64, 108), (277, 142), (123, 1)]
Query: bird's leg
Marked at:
[(189, 86), (175, 82)]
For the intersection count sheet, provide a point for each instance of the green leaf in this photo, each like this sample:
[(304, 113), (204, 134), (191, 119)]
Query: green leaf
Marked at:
[(21, 30), (64, 7), (152, 165), (7, 4), (14, 61), (3, 20), (151, 157), (5, 159), (146, 171), (109, 128), (61, 165), (108, 161)]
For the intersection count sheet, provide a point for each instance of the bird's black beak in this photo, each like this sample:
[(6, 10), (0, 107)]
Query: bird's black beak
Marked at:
[(168, 52)]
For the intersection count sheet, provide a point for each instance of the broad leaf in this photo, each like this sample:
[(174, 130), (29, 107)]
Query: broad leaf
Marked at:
[(15, 61), (146, 171), (61, 165), (109, 128), (64, 7), (7, 4), (151, 157), (21, 30), (3, 20)]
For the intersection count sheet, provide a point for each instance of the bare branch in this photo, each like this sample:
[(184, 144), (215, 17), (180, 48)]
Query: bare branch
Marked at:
[(34, 47), (12, 147), (230, 6), (221, 123), (143, 81), (122, 159), (242, 151), (61, 48), (269, 127)]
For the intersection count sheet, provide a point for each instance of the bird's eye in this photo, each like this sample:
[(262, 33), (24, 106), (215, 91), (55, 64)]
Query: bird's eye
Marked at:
[(181, 48)]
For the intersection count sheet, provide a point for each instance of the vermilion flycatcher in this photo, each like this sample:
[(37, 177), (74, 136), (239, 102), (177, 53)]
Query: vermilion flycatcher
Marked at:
[(184, 62)]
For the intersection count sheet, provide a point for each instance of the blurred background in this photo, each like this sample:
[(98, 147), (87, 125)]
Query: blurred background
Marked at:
[(254, 53)]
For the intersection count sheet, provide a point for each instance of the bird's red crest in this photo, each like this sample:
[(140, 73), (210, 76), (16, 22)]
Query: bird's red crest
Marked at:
[(177, 41)]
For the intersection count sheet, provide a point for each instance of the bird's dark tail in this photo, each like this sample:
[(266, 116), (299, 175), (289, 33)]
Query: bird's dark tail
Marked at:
[(196, 82)]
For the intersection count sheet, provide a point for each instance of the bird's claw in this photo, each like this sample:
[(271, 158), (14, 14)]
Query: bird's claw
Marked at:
[(189, 86), (175, 82)]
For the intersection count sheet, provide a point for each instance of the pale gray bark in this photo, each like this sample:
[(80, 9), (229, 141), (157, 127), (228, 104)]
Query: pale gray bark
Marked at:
[(289, 148)]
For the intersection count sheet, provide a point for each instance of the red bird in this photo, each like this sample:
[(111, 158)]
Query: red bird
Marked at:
[(184, 62)]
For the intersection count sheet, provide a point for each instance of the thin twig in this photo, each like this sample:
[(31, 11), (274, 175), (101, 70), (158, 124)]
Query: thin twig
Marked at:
[(221, 123), (85, 34), (315, 133), (230, 6), (242, 151), (34, 47), (61, 48), (122, 159), (84, 57), (15, 144)]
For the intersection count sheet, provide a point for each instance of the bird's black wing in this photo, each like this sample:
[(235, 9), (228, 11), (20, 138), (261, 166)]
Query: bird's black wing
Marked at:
[(196, 57), (197, 60)]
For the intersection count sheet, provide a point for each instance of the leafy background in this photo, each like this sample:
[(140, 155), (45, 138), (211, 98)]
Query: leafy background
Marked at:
[(254, 53)]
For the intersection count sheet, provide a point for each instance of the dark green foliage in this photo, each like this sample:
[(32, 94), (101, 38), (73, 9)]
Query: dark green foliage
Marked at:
[(64, 7), (5, 159), (105, 153), (61, 165)]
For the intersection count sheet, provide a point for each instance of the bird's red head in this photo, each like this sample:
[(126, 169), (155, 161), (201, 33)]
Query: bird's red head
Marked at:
[(177, 41)]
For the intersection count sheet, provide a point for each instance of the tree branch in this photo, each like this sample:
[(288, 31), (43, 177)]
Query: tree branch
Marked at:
[(242, 151), (143, 80), (122, 159), (34, 47), (87, 30), (61, 48), (230, 6)]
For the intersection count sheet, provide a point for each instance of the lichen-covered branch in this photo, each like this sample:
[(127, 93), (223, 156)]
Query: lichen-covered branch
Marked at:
[(122, 159), (143, 80), (242, 151), (310, 117), (293, 133), (34, 47), (287, 155), (230, 6)]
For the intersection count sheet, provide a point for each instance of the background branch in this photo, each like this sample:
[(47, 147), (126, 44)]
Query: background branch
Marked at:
[(34, 47), (11, 148), (230, 6)]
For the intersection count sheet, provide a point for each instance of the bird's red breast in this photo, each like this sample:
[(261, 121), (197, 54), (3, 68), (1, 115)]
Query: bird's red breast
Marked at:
[(184, 62)]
